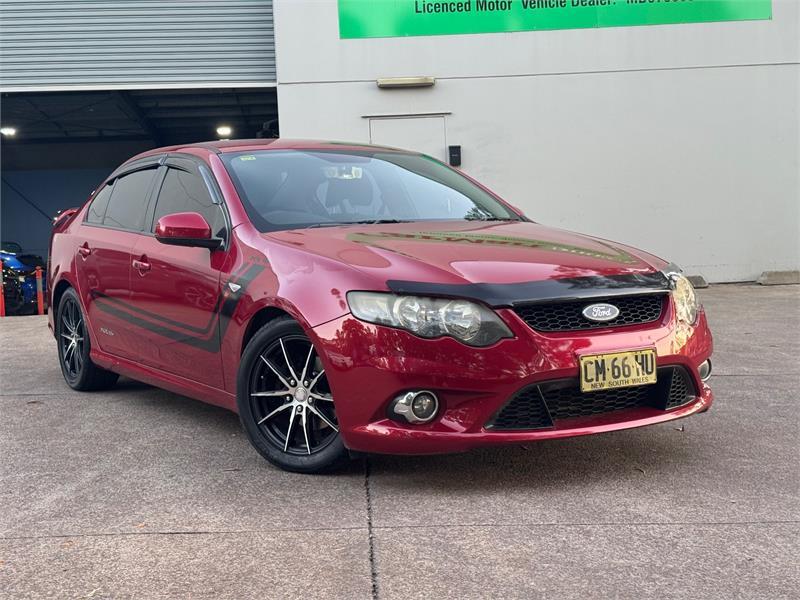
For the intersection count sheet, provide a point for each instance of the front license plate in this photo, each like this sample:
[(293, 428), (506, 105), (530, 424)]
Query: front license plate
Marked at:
[(617, 369)]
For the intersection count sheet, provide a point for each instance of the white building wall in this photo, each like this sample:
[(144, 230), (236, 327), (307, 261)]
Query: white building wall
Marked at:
[(680, 139)]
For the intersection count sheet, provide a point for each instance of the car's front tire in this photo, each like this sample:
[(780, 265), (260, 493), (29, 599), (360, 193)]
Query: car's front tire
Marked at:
[(285, 404), (74, 346)]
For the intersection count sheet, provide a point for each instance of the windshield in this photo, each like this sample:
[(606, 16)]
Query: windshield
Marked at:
[(287, 189)]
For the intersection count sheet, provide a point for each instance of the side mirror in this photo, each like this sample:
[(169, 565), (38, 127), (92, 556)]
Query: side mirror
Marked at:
[(186, 229)]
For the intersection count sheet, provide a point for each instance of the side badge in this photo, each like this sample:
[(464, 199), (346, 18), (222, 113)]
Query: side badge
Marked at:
[(234, 287)]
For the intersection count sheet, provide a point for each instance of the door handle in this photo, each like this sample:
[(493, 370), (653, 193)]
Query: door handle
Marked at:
[(141, 265), (84, 250)]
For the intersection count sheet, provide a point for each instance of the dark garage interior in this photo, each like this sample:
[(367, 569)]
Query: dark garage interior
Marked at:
[(65, 143)]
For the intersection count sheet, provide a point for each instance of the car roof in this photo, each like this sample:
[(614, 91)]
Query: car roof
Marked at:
[(223, 146)]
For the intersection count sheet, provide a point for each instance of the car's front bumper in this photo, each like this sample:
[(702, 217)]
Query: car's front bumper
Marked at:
[(369, 365), (20, 292)]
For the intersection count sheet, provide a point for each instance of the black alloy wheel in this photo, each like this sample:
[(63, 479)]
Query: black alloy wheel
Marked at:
[(72, 337), (285, 402)]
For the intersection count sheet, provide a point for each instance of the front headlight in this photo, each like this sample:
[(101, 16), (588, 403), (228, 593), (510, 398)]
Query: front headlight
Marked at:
[(466, 321), (684, 296)]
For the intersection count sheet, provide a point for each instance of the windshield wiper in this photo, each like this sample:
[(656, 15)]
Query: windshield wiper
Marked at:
[(492, 219), (383, 221), (365, 222), (314, 225)]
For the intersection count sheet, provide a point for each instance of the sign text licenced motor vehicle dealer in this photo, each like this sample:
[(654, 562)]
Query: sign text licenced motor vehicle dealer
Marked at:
[(399, 18)]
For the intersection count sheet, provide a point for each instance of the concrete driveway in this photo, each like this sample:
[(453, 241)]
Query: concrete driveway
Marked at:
[(139, 493)]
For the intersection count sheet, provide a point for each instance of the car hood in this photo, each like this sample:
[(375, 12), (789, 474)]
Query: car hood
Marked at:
[(12, 261), (470, 252)]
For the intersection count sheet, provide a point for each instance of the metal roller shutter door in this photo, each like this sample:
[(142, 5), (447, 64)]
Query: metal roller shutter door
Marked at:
[(98, 44)]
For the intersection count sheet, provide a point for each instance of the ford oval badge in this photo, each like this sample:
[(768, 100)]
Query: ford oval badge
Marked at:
[(601, 312)]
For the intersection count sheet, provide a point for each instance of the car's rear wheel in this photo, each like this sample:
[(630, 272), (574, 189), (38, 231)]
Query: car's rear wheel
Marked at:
[(74, 345), (285, 403)]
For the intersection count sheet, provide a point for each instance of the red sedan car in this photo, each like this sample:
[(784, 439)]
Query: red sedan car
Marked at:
[(346, 298)]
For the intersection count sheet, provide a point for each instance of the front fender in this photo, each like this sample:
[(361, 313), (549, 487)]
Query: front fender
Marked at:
[(272, 275), (242, 307)]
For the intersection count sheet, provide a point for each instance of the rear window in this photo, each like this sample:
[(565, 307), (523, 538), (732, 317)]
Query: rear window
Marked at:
[(97, 209), (128, 204)]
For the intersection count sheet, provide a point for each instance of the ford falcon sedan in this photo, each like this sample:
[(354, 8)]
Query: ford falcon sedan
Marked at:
[(347, 299)]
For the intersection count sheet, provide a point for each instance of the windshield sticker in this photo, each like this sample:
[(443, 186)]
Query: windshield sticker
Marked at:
[(343, 172)]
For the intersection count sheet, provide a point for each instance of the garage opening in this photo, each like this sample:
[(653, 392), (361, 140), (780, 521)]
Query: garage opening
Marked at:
[(57, 146)]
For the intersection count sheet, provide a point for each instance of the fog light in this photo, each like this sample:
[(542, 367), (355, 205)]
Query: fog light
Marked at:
[(705, 370), (424, 406), (415, 407)]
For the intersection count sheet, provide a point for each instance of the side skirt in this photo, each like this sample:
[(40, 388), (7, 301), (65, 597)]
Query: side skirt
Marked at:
[(161, 379)]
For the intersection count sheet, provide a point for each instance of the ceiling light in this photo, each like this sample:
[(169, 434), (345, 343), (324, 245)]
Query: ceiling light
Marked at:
[(8, 131), (224, 131)]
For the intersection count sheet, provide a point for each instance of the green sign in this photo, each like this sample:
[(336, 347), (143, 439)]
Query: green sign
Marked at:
[(398, 18)]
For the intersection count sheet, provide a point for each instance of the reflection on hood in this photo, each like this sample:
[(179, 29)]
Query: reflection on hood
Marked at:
[(613, 255)]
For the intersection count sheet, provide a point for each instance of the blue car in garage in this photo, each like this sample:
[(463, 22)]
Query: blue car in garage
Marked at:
[(19, 279)]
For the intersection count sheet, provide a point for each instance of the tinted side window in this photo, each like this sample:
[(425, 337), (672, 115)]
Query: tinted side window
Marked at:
[(129, 200), (187, 192), (97, 209)]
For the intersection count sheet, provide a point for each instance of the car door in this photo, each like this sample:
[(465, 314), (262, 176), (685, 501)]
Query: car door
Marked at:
[(176, 289), (114, 221)]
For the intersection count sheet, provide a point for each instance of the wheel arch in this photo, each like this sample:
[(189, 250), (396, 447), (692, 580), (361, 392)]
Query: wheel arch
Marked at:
[(268, 310), (64, 282), (58, 292), (261, 317)]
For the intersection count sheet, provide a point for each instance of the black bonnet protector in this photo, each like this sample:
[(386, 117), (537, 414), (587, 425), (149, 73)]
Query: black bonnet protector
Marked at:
[(498, 295)]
